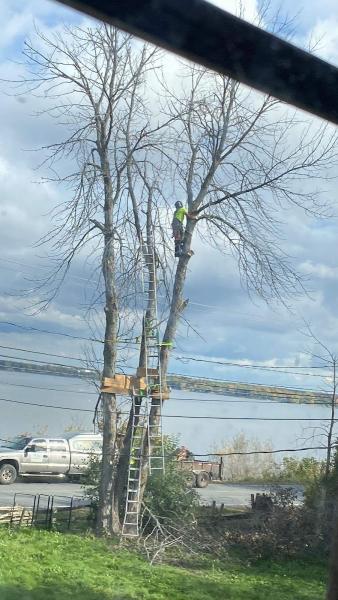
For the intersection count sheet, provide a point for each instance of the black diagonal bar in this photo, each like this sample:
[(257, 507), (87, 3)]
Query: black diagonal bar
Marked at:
[(207, 35)]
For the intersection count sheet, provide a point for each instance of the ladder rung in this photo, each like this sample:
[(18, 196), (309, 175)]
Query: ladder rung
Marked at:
[(133, 479)]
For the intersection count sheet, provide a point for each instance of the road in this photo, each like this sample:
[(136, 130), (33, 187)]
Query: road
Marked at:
[(236, 494), (227, 493), (27, 489)]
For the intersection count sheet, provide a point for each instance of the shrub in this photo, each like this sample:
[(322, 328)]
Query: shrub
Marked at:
[(305, 470), (287, 531), (170, 494), (167, 495)]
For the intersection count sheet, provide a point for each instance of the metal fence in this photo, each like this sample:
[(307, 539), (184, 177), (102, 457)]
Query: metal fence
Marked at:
[(61, 513)]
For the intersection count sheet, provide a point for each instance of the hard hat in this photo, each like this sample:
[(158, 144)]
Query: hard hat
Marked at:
[(178, 204)]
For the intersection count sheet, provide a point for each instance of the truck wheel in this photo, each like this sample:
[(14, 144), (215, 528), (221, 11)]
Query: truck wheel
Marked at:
[(202, 479), (8, 474)]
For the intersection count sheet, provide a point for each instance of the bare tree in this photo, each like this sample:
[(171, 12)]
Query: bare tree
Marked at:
[(328, 360), (92, 81), (237, 159), (240, 162)]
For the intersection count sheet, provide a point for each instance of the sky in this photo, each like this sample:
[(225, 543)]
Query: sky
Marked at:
[(226, 324)]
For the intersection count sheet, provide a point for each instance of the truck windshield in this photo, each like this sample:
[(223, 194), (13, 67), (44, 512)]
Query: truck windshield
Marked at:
[(18, 443)]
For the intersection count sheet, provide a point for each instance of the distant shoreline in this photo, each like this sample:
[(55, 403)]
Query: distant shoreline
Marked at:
[(183, 382)]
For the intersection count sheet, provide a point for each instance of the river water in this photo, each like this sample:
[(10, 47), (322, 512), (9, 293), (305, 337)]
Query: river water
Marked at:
[(199, 435)]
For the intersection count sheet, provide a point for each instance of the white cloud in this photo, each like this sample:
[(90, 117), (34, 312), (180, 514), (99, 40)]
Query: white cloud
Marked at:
[(52, 314), (218, 308), (321, 271)]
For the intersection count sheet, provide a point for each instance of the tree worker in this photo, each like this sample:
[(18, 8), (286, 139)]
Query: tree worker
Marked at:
[(178, 229)]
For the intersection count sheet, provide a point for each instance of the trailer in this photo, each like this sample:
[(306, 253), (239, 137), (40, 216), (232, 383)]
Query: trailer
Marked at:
[(202, 471)]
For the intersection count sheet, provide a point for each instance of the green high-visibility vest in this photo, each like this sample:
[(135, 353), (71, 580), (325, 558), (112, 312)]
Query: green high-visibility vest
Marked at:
[(180, 213)]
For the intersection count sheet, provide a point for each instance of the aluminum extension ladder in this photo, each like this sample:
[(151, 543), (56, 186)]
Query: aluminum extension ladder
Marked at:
[(142, 404)]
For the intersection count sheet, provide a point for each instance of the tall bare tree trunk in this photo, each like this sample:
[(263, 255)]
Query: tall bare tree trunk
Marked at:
[(177, 299), (108, 516), (332, 422)]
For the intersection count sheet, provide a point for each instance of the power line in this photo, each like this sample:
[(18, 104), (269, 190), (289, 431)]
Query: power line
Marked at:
[(182, 358), (249, 452), (217, 380), (176, 399), (130, 367), (194, 377), (68, 335), (199, 417), (257, 367), (209, 417), (222, 454), (88, 282), (37, 329), (281, 394), (277, 389), (270, 391), (87, 410), (250, 365), (42, 353), (33, 267), (173, 398), (51, 389), (41, 362)]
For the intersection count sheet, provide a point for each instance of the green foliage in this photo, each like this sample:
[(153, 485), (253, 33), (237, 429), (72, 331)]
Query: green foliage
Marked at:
[(301, 470), (323, 490), (166, 495), (170, 494), (35, 565), (91, 478)]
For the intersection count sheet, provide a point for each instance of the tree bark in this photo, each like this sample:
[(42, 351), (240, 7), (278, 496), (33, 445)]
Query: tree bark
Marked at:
[(177, 299), (332, 423), (108, 516)]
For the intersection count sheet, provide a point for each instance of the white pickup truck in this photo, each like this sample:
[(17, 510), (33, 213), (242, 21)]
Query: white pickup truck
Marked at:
[(66, 455)]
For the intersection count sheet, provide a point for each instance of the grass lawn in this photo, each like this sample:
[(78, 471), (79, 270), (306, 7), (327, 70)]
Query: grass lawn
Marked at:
[(41, 565)]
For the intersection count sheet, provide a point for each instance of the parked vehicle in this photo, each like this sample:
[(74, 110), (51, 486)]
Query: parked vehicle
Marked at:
[(67, 455), (202, 471)]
